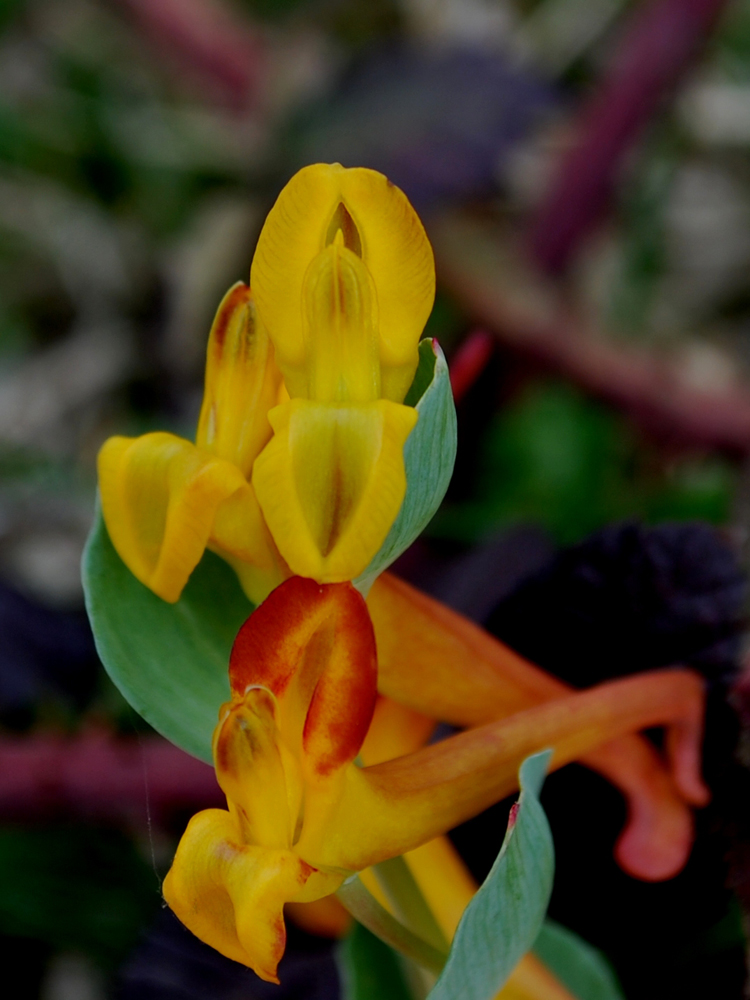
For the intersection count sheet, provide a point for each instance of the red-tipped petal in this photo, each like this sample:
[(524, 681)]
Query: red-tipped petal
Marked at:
[(313, 645), (270, 645)]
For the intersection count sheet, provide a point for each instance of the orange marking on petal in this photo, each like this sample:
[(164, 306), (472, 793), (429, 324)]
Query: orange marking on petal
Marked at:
[(238, 296), (318, 640), (344, 699), (271, 643)]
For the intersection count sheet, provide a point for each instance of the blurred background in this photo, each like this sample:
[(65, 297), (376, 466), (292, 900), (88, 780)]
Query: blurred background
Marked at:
[(583, 170)]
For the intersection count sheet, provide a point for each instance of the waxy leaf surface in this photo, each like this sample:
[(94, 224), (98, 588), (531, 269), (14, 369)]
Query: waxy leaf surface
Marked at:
[(502, 921), (429, 457), (581, 967), (169, 660)]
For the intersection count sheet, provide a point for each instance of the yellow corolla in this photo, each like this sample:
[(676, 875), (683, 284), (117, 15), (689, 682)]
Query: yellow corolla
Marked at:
[(298, 461), (302, 816), (303, 677)]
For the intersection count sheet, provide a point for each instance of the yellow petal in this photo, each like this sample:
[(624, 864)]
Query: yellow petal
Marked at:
[(242, 383), (231, 895), (331, 482), (164, 500), (257, 773), (394, 731), (377, 224), (241, 537), (325, 917), (256, 581), (342, 356), (159, 498)]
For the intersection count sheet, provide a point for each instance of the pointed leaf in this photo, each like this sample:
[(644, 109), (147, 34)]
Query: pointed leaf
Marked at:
[(581, 967), (502, 921), (370, 970), (429, 456), (170, 661)]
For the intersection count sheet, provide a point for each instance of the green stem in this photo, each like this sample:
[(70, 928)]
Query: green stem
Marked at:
[(367, 910), (407, 901)]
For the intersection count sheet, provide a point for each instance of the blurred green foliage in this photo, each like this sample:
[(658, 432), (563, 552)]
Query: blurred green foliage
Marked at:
[(371, 969), (94, 117), (8, 10), (78, 131), (731, 46), (558, 459), (76, 888), (643, 254)]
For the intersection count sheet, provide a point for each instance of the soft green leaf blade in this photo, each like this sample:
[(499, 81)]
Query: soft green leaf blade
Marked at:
[(503, 919), (363, 906), (170, 661), (370, 970), (578, 965), (429, 457), (407, 901)]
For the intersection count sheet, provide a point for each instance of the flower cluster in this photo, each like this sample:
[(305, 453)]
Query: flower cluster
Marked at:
[(298, 463), (296, 478)]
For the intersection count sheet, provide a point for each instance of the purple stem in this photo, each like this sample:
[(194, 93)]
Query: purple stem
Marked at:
[(663, 40)]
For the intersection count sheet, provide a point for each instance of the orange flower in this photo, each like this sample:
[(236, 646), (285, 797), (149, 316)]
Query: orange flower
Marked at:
[(302, 815)]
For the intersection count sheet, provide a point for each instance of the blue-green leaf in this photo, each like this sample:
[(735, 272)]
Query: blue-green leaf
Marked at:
[(502, 921), (408, 903), (169, 660), (579, 966), (429, 457), (367, 910), (370, 969)]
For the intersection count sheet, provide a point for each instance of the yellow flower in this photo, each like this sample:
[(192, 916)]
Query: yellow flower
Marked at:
[(302, 816), (298, 462), (303, 676)]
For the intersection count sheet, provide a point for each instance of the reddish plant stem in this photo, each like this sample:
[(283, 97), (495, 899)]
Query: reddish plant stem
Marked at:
[(485, 274), (209, 41), (663, 40), (96, 776), (469, 361)]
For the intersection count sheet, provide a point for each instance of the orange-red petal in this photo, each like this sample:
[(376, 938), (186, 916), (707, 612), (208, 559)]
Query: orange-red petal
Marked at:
[(313, 646)]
